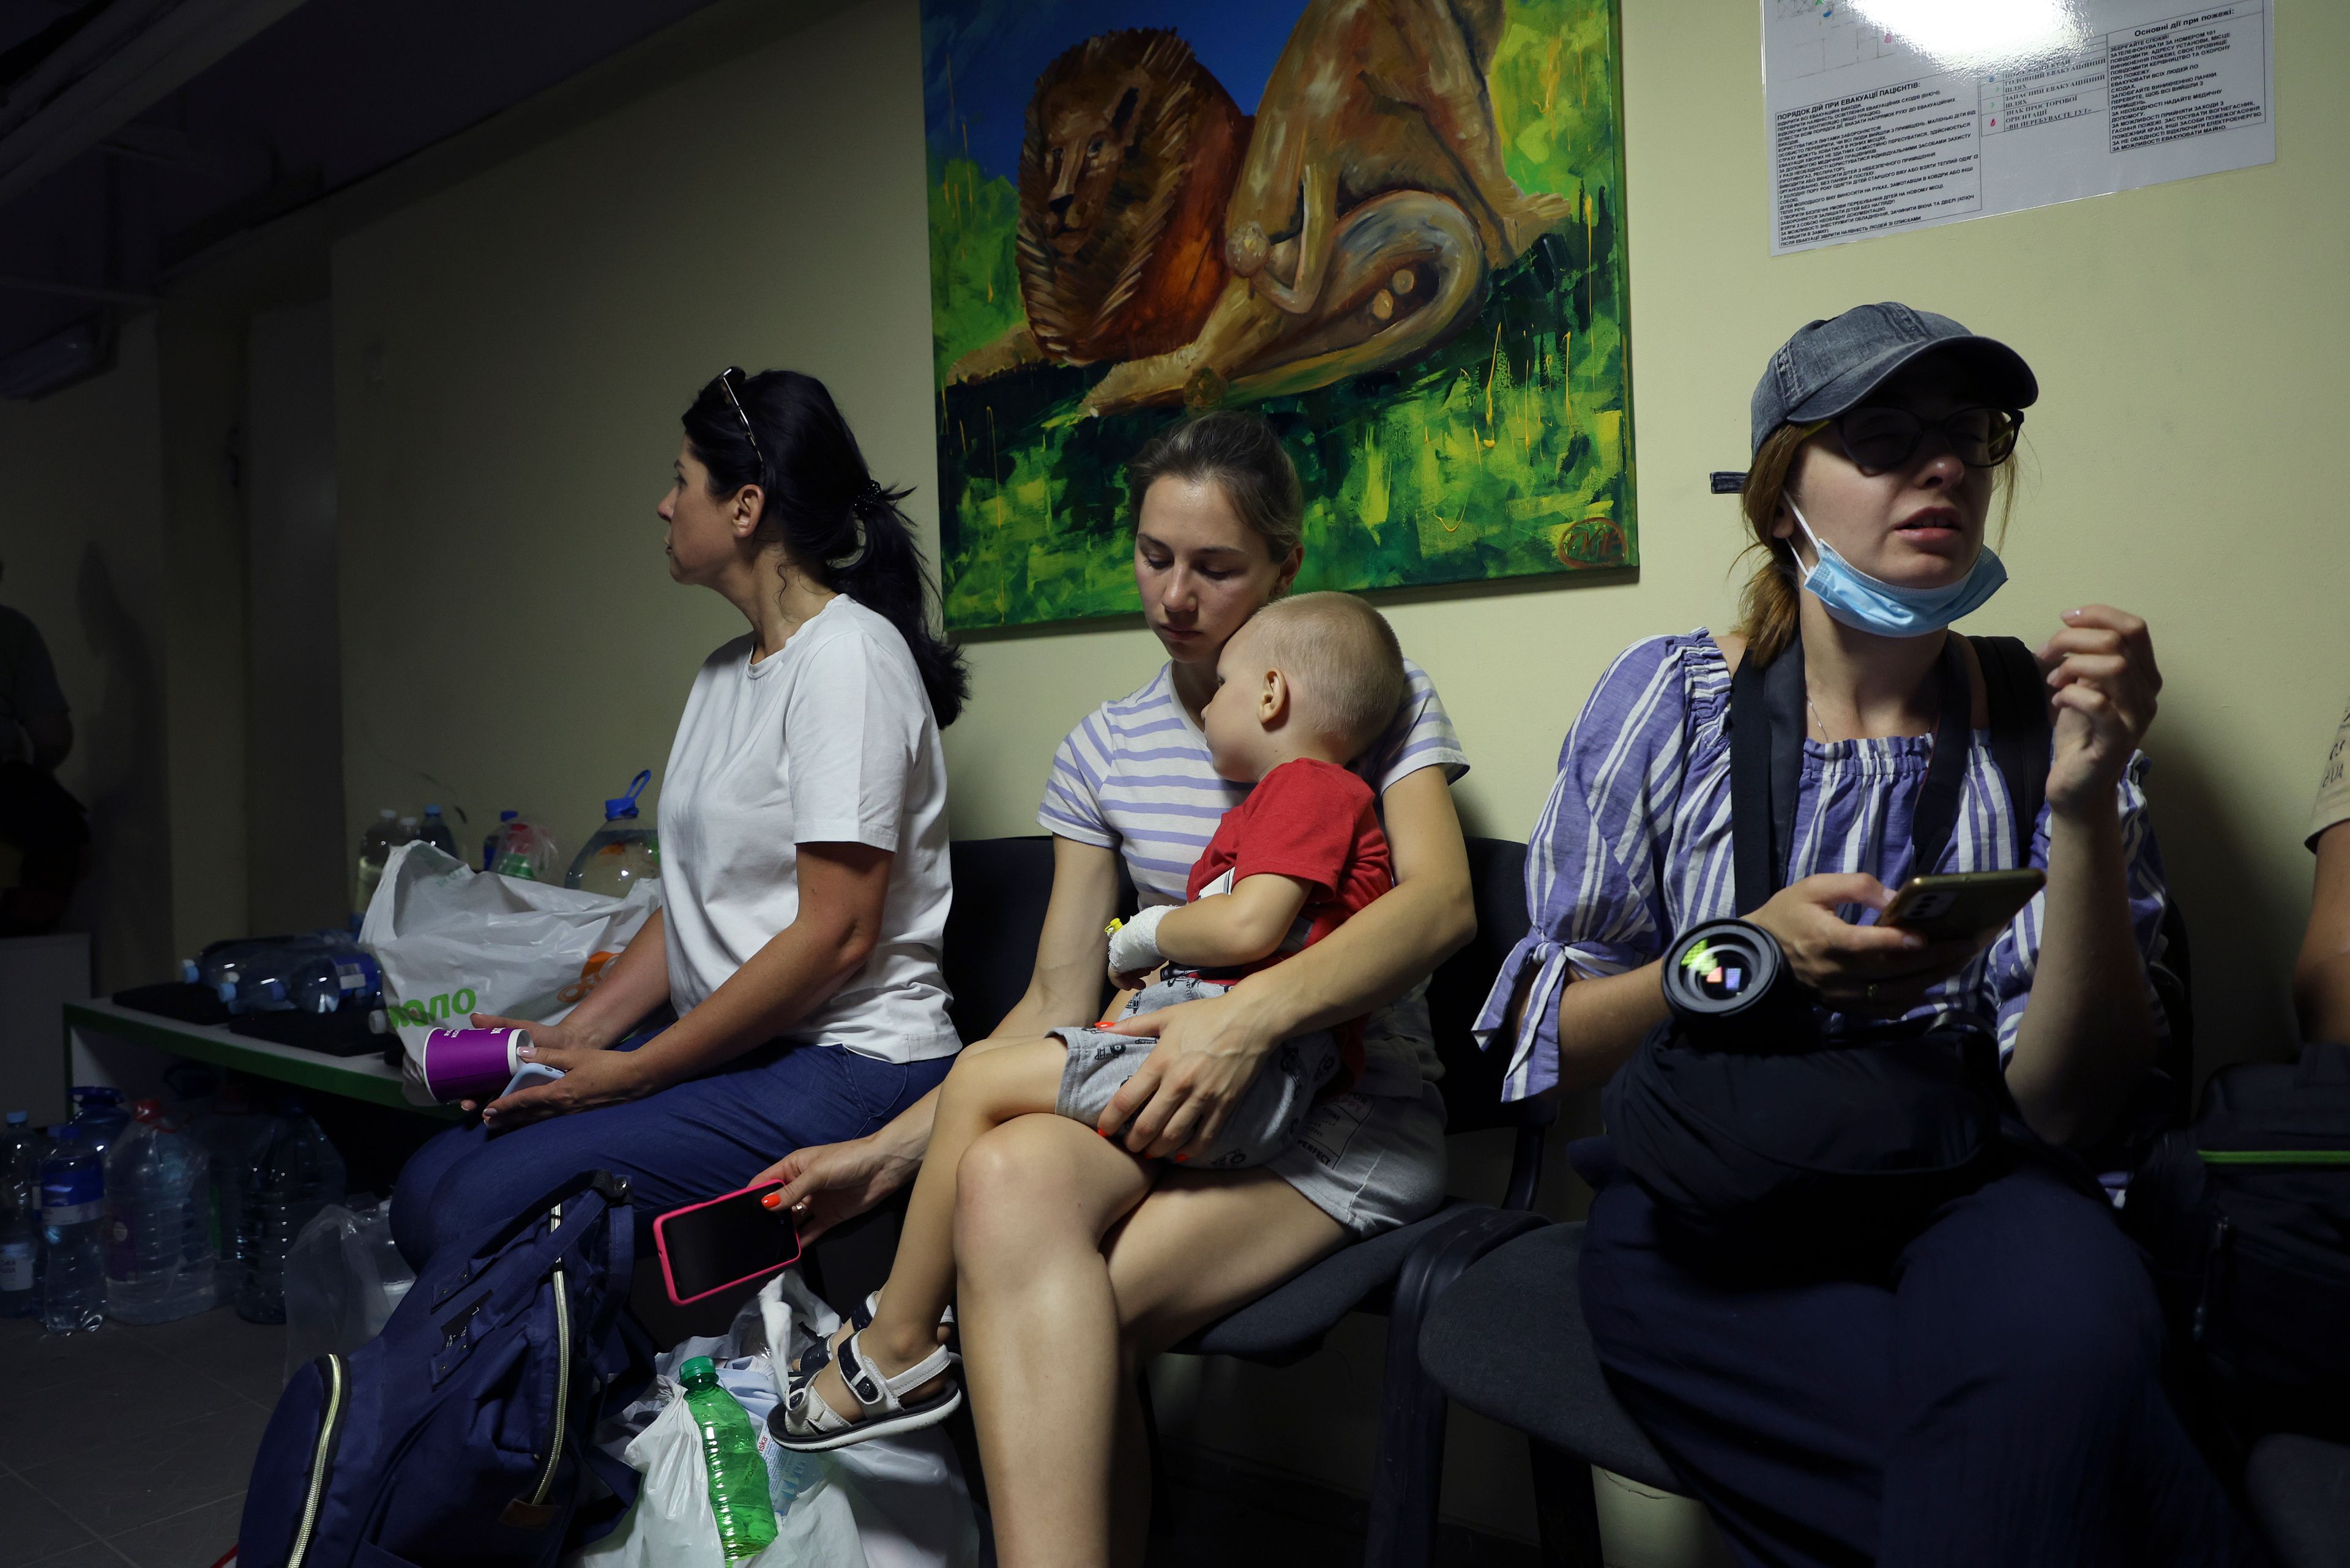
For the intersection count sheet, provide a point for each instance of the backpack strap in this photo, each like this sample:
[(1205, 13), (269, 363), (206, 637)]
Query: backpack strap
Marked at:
[(1766, 762), (1767, 725), (2017, 697)]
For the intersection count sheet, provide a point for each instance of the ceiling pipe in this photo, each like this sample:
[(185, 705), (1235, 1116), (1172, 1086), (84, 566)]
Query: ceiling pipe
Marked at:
[(75, 57), (149, 66)]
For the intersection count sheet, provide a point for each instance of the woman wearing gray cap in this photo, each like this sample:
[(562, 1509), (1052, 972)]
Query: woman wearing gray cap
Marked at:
[(1975, 1381)]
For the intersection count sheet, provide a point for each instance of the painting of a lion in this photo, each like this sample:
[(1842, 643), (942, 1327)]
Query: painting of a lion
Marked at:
[(1409, 253)]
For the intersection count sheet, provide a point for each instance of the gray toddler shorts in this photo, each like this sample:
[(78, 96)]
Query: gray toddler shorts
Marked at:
[(1272, 1112)]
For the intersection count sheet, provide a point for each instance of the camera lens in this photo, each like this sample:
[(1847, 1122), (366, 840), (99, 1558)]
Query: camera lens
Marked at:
[(1722, 968)]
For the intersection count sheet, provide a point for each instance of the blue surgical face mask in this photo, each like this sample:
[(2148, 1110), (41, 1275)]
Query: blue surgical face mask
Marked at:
[(1867, 604)]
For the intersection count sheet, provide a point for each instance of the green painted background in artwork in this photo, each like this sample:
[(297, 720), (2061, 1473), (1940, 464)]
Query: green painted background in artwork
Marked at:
[(1506, 452)]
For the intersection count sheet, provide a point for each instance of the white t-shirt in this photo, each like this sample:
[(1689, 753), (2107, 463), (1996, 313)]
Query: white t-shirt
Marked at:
[(829, 741)]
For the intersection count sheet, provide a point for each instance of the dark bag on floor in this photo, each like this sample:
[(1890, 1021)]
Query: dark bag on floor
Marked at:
[(1808, 1147), (462, 1433), (2246, 1215)]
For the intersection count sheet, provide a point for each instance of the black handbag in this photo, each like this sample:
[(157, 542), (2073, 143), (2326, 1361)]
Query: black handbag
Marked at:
[(1806, 1146)]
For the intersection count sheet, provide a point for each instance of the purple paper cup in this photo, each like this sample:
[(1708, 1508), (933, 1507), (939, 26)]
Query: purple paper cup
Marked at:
[(471, 1063)]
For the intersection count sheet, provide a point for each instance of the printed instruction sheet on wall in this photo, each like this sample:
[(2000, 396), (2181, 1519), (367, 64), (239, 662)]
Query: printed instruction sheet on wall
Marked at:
[(1888, 115)]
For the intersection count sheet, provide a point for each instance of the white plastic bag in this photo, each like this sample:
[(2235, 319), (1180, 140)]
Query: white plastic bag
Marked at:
[(912, 1507), (453, 941), (343, 1277), (889, 1503)]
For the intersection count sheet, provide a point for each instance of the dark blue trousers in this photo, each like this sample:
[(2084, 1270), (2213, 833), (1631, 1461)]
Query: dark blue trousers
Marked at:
[(692, 1140), (1989, 1394)]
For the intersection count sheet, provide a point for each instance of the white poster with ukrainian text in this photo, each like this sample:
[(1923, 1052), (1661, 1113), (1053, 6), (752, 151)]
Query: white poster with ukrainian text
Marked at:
[(1888, 115)]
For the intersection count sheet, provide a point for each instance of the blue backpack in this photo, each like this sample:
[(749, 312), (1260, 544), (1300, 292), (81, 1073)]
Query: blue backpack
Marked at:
[(463, 1434)]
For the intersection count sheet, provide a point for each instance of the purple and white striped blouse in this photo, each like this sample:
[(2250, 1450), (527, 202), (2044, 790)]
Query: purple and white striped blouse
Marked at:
[(1134, 776), (1634, 844)]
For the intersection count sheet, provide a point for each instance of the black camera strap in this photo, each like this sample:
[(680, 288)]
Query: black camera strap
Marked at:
[(1766, 768)]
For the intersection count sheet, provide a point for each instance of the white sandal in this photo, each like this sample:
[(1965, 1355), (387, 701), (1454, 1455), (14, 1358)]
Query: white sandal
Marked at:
[(805, 1423)]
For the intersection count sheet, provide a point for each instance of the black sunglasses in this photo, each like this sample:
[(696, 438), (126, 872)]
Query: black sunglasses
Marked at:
[(726, 379), (1879, 437)]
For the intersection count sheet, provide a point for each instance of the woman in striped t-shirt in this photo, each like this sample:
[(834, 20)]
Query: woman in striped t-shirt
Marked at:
[(1076, 1254), (1986, 1390)]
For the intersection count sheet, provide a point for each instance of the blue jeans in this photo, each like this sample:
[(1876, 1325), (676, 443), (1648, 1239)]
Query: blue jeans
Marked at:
[(692, 1140), (1991, 1392)]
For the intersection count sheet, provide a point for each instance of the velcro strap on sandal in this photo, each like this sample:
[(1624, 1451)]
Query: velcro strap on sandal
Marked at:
[(864, 1385)]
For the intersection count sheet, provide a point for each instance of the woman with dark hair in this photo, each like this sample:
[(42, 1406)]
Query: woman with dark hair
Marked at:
[(804, 837), (1976, 1380), (1079, 1255)]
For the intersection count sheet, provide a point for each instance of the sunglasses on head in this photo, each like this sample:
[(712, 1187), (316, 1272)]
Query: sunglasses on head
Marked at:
[(726, 380), (1879, 437)]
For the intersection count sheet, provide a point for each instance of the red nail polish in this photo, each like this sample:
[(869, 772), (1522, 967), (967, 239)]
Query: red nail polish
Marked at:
[(772, 1201)]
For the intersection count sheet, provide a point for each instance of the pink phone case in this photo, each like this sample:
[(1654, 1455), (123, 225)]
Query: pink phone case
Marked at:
[(660, 1245)]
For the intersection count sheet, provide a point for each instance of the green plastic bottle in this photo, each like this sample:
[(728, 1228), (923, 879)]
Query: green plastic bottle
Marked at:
[(730, 1452)]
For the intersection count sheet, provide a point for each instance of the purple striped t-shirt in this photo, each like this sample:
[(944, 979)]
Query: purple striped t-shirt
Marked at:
[(1134, 776)]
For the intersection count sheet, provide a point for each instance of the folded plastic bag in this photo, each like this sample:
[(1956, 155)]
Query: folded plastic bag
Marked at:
[(452, 942), (343, 1277)]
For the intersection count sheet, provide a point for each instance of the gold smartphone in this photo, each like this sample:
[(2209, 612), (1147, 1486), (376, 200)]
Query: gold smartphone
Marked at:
[(1962, 904)]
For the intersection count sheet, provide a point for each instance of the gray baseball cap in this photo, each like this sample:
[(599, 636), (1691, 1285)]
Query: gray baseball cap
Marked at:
[(1831, 366)]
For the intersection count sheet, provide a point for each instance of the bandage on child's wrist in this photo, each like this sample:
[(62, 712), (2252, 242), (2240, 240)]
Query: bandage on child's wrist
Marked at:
[(1134, 944)]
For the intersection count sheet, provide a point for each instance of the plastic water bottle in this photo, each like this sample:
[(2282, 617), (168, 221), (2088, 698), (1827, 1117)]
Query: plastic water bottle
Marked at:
[(304, 975), (296, 1174), (73, 1259), (527, 851), (622, 852), (159, 1252), (99, 1118), (798, 1475), (434, 830), (729, 1453), (225, 961), (495, 839), (376, 846), (234, 1133), (21, 1151)]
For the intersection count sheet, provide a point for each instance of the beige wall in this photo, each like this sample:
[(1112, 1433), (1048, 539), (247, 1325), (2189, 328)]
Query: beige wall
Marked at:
[(513, 354), (82, 534), (514, 351)]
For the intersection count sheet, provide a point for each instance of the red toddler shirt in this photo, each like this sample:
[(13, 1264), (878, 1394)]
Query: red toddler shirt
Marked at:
[(1316, 822)]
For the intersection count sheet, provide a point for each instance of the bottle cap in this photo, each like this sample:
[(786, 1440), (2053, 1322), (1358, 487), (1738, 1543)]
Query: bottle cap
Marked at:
[(18, 1118), (387, 814), (626, 804), (406, 821), (697, 1369), (508, 816), (150, 1111), (431, 811)]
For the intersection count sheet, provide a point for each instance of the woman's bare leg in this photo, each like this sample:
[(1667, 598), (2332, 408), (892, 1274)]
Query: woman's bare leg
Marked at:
[(983, 1091), (1044, 1314), (1040, 1334)]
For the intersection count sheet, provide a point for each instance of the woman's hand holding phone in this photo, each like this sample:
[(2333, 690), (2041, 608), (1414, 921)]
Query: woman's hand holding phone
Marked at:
[(1878, 969)]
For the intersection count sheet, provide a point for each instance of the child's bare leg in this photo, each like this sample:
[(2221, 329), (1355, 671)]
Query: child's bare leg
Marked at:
[(985, 1090)]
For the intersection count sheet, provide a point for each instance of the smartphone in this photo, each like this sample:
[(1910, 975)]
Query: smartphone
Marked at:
[(1962, 904), (528, 1074), (709, 1246)]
